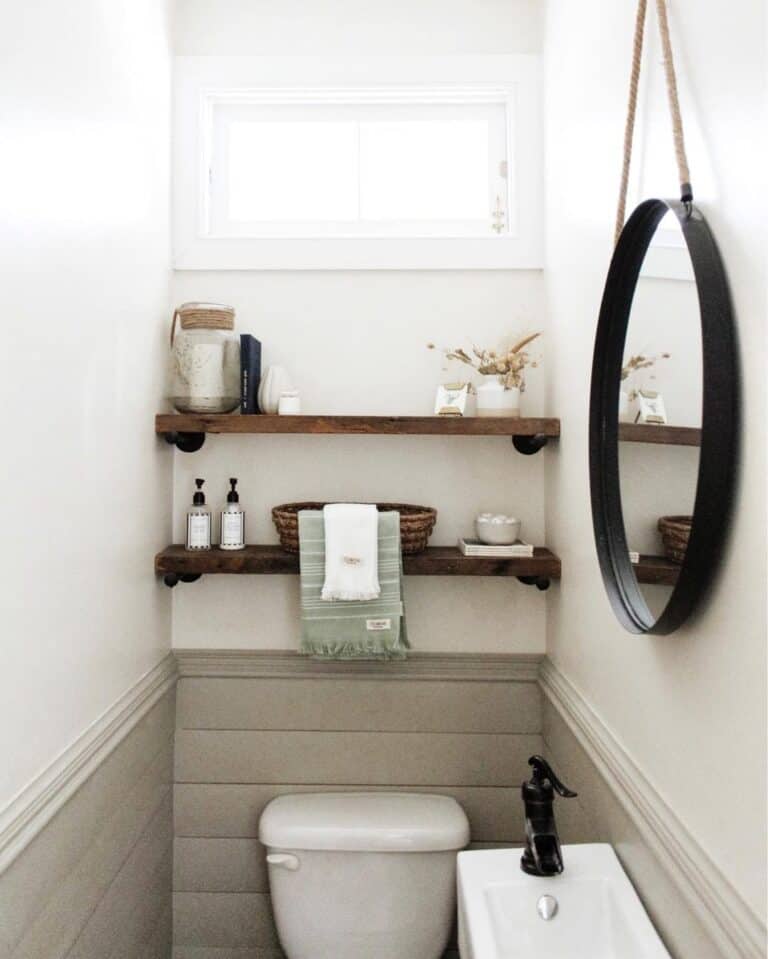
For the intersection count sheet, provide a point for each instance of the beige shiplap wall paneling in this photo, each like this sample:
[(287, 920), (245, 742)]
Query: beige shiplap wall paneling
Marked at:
[(232, 810), (359, 704), (95, 883), (242, 740), (353, 758)]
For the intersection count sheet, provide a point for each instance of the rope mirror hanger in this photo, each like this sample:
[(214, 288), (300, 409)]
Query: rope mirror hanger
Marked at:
[(678, 134)]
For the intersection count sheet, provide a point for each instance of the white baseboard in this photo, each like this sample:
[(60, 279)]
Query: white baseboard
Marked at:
[(720, 908), (32, 808), (287, 664)]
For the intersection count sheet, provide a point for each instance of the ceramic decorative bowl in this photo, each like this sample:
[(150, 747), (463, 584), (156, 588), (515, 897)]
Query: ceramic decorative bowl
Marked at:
[(497, 529)]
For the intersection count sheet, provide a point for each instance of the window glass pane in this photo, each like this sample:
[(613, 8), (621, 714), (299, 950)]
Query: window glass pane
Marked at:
[(424, 170), (287, 170)]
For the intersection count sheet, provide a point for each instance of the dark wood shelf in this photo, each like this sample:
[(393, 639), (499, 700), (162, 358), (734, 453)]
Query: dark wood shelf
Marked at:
[(434, 561), (664, 435), (656, 570), (369, 425)]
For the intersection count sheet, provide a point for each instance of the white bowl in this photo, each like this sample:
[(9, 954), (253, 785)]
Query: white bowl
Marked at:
[(496, 529)]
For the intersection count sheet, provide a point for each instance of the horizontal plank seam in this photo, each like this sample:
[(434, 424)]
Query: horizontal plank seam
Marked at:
[(340, 786), (34, 807), (391, 787), (260, 731), (721, 909), (340, 731)]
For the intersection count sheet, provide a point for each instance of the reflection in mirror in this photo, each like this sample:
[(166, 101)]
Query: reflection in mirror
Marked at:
[(660, 413)]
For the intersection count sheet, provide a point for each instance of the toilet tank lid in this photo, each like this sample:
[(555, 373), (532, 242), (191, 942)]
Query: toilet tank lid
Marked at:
[(364, 822)]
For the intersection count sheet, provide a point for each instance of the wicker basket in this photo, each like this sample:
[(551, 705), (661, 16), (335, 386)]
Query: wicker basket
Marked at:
[(416, 524), (675, 531)]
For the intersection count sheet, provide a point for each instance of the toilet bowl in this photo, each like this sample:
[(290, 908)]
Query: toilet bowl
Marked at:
[(363, 875)]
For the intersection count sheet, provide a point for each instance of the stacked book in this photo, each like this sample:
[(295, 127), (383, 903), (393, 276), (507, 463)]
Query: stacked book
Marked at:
[(473, 547)]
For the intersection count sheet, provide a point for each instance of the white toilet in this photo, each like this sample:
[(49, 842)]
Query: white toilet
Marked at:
[(363, 875)]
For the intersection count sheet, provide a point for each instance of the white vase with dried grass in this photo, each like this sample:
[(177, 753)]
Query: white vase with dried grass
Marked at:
[(502, 374)]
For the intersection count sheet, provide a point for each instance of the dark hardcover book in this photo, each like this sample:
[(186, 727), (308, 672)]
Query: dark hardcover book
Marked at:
[(250, 373)]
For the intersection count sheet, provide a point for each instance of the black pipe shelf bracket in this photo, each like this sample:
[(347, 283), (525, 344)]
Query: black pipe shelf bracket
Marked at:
[(528, 445), (172, 579), (186, 442), (540, 582)]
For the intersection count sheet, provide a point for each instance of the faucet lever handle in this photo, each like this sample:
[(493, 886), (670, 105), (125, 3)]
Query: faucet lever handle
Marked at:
[(542, 770)]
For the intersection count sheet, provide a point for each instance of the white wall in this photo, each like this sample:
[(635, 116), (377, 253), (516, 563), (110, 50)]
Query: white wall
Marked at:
[(356, 343), (689, 708), (84, 123), (357, 27)]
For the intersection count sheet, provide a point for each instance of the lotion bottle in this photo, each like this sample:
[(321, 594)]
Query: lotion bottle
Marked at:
[(198, 521), (233, 520)]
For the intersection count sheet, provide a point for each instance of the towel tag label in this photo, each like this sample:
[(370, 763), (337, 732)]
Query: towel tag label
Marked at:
[(377, 625), (352, 561)]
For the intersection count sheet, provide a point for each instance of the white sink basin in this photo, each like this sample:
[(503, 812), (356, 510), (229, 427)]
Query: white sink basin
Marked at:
[(597, 914)]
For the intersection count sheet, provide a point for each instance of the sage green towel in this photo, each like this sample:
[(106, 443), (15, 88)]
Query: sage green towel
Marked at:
[(339, 629)]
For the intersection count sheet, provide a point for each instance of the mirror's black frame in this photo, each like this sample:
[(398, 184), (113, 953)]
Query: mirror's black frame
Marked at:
[(719, 420)]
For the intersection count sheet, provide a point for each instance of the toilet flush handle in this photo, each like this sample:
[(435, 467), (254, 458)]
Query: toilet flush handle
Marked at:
[(284, 859)]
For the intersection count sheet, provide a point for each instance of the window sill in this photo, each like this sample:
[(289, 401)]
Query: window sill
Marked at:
[(360, 253)]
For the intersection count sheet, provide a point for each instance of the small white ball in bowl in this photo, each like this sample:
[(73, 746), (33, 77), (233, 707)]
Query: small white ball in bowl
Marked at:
[(497, 529)]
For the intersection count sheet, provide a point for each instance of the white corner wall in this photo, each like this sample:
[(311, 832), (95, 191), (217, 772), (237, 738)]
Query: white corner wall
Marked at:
[(690, 708), (355, 342), (84, 241)]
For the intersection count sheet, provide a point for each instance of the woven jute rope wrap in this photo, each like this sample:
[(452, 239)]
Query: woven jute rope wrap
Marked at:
[(678, 136), (203, 316)]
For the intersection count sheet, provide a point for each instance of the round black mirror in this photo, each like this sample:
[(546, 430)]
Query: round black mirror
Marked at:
[(691, 540)]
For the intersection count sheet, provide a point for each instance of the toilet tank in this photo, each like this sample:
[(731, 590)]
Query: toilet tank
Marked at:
[(363, 875)]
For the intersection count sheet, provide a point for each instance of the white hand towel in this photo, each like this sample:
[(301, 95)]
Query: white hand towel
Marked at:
[(351, 552)]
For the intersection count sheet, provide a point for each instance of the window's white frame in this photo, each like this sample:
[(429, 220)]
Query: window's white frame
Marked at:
[(201, 81)]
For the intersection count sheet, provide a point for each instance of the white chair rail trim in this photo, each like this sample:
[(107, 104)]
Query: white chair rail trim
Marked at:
[(33, 808), (722, 911)]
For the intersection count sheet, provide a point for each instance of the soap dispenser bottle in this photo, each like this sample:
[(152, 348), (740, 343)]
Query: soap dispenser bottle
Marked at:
[(233, 520), (198, 521)]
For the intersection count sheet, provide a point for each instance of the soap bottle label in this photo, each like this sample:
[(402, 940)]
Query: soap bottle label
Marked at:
[(232, 529), (199, 532)]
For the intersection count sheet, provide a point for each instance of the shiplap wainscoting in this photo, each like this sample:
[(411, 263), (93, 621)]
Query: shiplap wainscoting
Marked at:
[(88, 857), (252, 726)]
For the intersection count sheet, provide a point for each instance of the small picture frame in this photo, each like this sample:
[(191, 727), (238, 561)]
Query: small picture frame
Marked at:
[(451, 399), (652, 409)]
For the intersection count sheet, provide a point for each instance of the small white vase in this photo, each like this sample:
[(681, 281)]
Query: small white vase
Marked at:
[(624, 416), (274, 382), (494, 400)]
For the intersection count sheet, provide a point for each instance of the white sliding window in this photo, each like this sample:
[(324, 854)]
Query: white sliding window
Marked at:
[(366, 169), (357, 175)]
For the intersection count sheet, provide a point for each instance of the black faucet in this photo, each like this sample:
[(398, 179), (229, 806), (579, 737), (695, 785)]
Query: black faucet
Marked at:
[(542, 856)]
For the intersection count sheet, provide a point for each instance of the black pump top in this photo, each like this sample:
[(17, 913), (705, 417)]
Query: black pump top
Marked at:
[(232, 495), (199, 498), (543, 783)]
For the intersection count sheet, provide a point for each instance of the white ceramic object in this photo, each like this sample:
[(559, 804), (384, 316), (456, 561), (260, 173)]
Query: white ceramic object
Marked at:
[(370, 875), (494, 400), (624, 415), (274, 382), (290, 403), (596, 914), (497, 529)]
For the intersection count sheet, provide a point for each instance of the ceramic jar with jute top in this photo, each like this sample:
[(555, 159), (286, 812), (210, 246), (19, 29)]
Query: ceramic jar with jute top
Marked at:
[(205, 359)]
